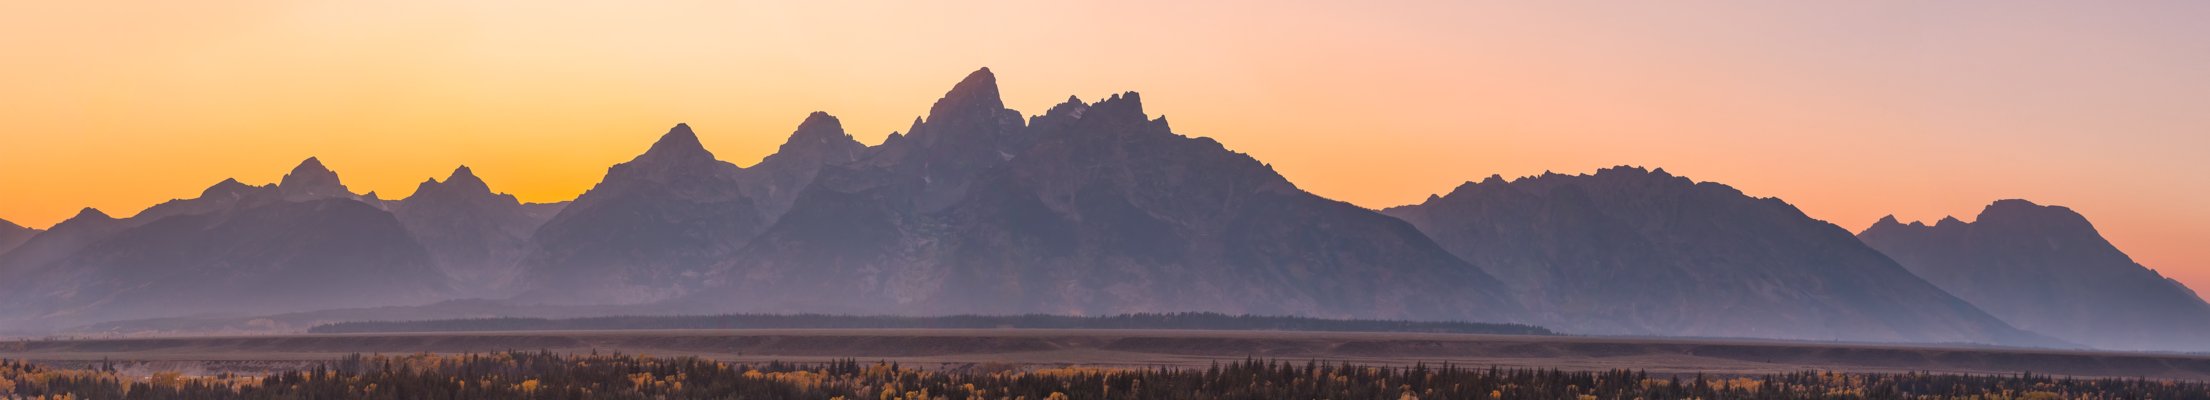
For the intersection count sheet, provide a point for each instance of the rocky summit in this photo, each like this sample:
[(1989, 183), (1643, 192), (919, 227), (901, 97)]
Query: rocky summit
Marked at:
[(2046, 269)]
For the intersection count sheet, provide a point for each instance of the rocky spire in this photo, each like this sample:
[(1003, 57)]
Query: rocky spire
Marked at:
[(776, 181), (465, 180), (678, 144), (310, 180)]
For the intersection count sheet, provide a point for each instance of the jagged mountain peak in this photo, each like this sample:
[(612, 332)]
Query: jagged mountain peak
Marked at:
[(818, 132), (978, 91), (679, 145), (1124, 107), (5, 224), (228, 187), (465, 179), (819, 141), (309, 173), (89, 214), (311, 180)]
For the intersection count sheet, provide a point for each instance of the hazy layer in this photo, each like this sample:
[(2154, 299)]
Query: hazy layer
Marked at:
[(1851, 111)]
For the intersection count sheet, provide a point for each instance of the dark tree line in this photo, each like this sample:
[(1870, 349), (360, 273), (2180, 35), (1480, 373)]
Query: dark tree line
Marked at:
[(1212, 321), (544, 375)]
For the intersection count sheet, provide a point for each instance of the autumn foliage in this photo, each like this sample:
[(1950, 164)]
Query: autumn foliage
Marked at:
[(544, 375)]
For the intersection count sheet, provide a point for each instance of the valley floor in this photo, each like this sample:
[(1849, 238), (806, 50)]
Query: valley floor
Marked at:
[(952, 349)]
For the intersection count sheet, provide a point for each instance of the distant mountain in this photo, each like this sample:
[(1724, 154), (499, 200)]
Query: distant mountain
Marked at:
[(646, 232), (12, 235), (1634, 252), (302, 245), (1088, 209), (2046, 269), (474, 236), (87, 227)]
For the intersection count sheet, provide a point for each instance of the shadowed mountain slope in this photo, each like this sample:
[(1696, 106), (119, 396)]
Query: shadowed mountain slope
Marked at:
[(2046, 269), (1635, 252)]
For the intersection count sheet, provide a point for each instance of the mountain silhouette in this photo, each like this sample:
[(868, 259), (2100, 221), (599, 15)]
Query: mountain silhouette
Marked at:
[(12, 235), (2046, 269), (1093, 208), (1088, 209), (647, 232), (1628, 251), (87, 227), (474, 236), (302, 245), (775, 182)]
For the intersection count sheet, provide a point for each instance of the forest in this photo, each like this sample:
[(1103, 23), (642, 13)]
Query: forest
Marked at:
[(1190, 320), (545, 375)]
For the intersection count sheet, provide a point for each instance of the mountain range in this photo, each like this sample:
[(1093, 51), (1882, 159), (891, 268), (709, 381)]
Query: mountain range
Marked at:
[(1087, 208)]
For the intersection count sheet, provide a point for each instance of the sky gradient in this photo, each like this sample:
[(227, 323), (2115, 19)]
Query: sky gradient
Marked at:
[(1851, 111)]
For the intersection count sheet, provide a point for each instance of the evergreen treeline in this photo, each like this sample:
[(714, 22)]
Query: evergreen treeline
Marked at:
[(543, 375), (1213, 321)]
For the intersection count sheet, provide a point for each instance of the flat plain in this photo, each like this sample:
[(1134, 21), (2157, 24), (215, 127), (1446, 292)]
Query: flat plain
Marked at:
[(952, 349)]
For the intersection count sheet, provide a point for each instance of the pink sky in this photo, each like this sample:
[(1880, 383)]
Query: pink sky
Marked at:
[(1850, 110)]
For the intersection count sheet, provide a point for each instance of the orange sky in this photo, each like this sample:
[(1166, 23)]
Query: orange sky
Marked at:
[(1851, 111)]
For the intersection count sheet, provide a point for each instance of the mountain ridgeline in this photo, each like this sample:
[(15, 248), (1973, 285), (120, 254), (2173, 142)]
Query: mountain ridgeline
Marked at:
[(1632, 252), (2046, 269), (304, 244), (1088, 208)]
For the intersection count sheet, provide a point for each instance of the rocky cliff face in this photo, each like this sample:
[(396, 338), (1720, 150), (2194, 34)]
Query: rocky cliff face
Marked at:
[(1107, 211), (1629, 251), (2046, 269), (647, 232), (474, 236)]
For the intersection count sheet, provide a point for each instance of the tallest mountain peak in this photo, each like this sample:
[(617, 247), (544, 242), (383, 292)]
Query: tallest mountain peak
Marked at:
[(979, 91), (311, 180)]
